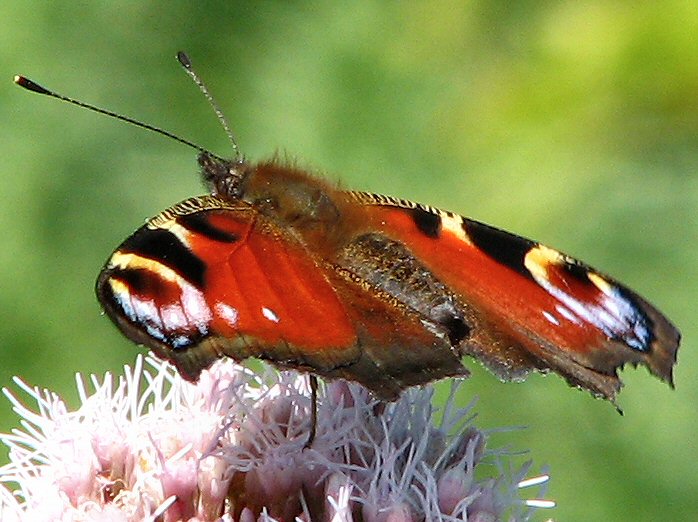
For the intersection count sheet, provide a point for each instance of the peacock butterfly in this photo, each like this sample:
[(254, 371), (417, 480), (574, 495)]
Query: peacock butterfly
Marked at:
[(277, 264)]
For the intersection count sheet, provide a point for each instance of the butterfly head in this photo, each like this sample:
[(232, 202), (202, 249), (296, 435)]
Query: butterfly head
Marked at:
[(225, 178)]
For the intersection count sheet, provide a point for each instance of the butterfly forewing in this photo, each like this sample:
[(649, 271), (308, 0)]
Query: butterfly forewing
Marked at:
[(524, 298), (210, 277)]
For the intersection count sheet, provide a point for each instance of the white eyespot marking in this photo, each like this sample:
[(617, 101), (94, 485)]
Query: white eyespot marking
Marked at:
[(160, 320), (142, 311), (146, 313), (610, 310), (622, 314), (270, 314), (537, 261), (195, 307), (228, 313), (567, 313), (173, 316), (551, 318), (122, 294)]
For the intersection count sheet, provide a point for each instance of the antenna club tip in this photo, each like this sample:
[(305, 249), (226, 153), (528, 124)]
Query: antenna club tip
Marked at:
[(183, 59), (25, 82)]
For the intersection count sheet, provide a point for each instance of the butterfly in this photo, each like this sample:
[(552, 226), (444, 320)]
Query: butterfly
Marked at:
[(278, 264)]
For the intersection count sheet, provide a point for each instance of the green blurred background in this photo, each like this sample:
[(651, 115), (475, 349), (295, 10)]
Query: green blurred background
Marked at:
[(574, 123)]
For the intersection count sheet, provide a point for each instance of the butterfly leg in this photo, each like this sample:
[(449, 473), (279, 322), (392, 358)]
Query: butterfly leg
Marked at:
[(312, 380)]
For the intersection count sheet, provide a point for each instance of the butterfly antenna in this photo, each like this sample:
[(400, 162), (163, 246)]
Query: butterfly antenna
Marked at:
[(184, 60), (30, 85)]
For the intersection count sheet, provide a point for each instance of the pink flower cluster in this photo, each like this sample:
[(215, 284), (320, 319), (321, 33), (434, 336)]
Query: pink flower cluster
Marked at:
[(151, 446)]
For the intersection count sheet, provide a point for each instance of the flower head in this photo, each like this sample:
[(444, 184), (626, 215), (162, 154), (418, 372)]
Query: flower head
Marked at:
[(232, 447)]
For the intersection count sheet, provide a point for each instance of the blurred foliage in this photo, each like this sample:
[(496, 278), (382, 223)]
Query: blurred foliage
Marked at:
[(575, 123)]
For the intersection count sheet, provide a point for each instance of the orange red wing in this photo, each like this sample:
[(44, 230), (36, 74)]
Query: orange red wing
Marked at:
[(530, 306), (209, 277)]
